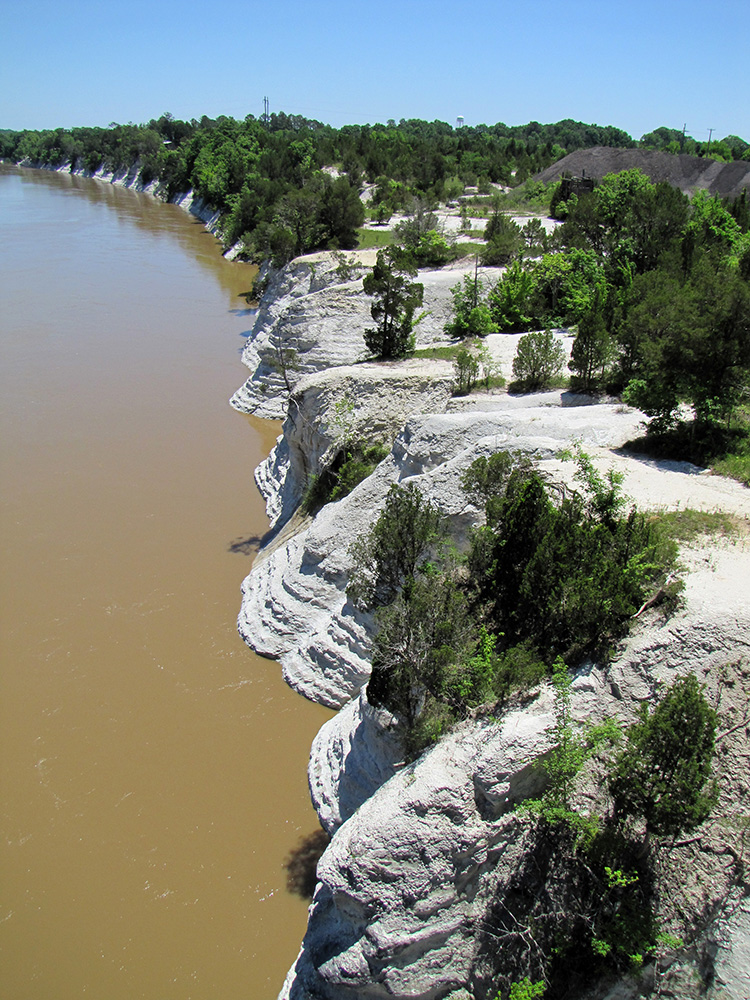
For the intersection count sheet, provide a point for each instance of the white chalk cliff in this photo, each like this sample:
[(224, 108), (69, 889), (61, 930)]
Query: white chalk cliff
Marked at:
[(420, 854)]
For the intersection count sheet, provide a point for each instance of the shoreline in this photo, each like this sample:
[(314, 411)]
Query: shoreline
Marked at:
[(130, 179)]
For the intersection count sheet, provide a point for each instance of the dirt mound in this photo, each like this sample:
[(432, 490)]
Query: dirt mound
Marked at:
[(688, 173)]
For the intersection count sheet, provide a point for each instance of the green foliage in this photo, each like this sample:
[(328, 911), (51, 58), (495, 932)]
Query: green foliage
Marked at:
[(359, 462), (563, 570), (503, 238), (353, 464), (662, 774), (524, 989), (510, 300), (594, 350), (395, 549), (395, 300), (471, 314), (466, 371), (572, 746), (425, 624), (688, 341), (539, 361), (565, 286)]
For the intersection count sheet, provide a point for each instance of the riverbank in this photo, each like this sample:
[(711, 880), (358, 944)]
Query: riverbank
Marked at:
[(130, 178), (420, 853), (153, 768)]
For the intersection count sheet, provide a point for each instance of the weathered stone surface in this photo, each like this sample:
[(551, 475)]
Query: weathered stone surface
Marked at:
[(405, 879), (294, 604), (408, 881), (316, 307), (358, 402), (354, 753), (419, 853)]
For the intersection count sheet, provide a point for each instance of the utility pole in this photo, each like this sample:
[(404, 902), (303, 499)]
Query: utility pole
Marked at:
[(710, 133)]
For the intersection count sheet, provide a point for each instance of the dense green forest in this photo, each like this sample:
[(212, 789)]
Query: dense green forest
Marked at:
[(269, 180)]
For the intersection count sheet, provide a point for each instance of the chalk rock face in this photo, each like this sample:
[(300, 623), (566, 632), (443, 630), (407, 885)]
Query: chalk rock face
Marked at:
[(354, 753), (315, 307), (294, 604), (361, 402), (408, 883), (420, 854), (315, 311), (404, 881)]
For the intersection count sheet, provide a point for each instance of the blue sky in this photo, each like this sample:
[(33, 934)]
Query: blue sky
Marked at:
[(635, 65)]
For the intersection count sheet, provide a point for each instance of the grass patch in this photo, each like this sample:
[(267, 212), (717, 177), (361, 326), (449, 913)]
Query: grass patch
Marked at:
[(369, 238), (463, 250), (723, 449), (684, 525), (444, 353)]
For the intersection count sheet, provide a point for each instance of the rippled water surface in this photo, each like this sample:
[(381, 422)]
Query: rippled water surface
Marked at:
[(152, 768)]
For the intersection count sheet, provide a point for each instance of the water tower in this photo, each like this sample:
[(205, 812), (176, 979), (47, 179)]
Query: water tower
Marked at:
[(460, 121)]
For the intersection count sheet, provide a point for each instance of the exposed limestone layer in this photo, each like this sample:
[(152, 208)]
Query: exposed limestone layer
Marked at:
[(420, 854), (315, 307), (404, 904), (354, 753), (360, 402), (294, 604)]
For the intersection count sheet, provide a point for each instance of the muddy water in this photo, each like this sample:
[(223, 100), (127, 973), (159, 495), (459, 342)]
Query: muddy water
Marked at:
[(152, 768)]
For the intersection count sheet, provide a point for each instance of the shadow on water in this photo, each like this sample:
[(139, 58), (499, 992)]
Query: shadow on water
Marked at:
[(247, 546), (302, 863)]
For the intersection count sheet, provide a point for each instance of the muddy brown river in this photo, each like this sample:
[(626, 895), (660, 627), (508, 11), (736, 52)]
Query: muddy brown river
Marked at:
[(152, 768)]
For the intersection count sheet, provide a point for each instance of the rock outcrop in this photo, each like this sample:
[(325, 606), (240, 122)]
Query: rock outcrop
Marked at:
[(315, 307), (422, 855)]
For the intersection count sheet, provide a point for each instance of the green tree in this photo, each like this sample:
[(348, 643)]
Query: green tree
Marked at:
[(466, 370), (562, 572), (593, 348), (510, 300), (471, 315), (341, 213), (395, 300), (539, 360), (663, 772), (395, 549), (503, 238)]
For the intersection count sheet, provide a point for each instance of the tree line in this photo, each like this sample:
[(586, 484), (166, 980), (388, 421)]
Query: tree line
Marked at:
[(287, 185)]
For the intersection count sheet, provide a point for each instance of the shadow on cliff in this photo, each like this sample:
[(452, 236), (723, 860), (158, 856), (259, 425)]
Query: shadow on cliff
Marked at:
[(302, 863), (567, 915)]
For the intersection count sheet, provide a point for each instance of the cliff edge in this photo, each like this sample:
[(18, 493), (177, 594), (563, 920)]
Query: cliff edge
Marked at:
[(424, 857)]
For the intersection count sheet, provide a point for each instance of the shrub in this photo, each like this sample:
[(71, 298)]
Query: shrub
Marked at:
[(466, 371), (564, 571), (539, 361), (662, 775)]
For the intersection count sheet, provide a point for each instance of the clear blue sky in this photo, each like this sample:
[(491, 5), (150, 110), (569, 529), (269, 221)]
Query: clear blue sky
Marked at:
[(635, 65)]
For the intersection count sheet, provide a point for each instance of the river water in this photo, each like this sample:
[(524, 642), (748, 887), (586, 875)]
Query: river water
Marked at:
[(152, 767)]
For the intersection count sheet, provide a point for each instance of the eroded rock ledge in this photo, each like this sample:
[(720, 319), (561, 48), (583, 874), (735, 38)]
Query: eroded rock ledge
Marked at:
[(420, 854)]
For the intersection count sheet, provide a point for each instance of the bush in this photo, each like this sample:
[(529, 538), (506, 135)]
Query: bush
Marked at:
[(564, 573), (539, 361), (663, 773), (348, 469), (466, 370), (395, 549)]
